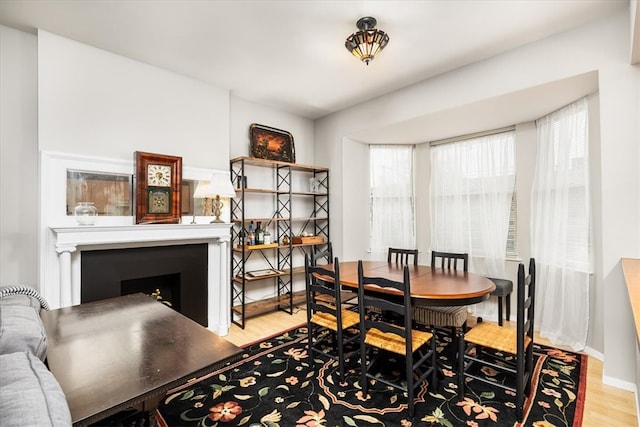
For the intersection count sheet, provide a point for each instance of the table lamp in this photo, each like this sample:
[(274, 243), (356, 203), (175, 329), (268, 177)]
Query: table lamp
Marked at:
[(201, 192), (219, 186)]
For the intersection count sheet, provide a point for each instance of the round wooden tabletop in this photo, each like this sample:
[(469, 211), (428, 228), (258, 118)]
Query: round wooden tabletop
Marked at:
[(429, 286)]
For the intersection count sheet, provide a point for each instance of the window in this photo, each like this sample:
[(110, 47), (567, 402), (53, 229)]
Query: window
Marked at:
[(473, 200), (392, 212)]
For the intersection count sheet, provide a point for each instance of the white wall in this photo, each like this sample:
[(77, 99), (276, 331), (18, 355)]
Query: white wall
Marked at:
[(97, 103), (18, 158), (603, 47), (91, 102)]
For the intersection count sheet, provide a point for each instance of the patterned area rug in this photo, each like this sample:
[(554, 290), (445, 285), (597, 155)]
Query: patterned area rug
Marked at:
[(273, 385)]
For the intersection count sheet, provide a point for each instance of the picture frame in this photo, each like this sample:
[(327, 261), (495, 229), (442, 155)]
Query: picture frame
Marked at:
[(158, 188), (271, 143)]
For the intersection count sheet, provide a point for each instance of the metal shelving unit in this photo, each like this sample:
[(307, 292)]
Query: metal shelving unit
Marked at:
[(287, 220)]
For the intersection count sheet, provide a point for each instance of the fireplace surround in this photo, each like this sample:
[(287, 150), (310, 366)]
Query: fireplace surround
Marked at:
[(71, 242), (62, 241)]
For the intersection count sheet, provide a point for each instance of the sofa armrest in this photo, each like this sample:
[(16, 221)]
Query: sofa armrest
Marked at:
[(23, 290), (21, 328), (29, 394)]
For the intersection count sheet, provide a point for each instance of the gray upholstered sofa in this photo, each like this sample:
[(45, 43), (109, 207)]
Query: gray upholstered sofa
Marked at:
[(29, 393)]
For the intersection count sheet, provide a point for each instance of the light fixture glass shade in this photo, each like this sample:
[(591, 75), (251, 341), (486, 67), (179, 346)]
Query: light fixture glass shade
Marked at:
[(368, 42)]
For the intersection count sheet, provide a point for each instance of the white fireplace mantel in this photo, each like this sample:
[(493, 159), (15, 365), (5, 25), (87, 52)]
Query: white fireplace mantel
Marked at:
[(69, 243), (62, 241), (152, 233)]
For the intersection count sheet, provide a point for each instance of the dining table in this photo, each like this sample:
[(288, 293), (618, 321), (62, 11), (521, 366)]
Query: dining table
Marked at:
[(430, 286)]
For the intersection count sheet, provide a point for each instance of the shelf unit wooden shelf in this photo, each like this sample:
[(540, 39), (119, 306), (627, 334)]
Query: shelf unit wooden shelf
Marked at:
[(266, 305), (278, 256)]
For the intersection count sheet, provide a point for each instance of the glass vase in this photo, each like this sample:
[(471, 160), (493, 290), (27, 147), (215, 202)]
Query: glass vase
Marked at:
[(85, 213)]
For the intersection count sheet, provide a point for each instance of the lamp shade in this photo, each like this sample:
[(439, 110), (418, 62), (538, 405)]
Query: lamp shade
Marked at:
[(202, 190), (368, 42), (220, 185)]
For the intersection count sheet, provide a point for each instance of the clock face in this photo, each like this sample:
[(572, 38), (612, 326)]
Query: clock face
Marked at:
[(159, 201), (159, 175)]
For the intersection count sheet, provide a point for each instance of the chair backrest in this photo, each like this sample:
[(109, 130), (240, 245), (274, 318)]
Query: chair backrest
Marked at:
[(326, 254), (401, 256), (400, 307), (526, 303), (449, 260), (321, 281)]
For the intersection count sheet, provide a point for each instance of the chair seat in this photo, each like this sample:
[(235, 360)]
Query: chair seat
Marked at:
[(349, 319), (393, 342), (441, 316), (345, 296), (503, 287), (494, 336)]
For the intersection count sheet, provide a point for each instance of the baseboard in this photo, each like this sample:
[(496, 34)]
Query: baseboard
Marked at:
[(594, 353), (623, 385)]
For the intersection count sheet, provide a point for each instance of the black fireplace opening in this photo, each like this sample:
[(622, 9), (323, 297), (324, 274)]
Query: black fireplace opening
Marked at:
[(175, 275), (165, 288)]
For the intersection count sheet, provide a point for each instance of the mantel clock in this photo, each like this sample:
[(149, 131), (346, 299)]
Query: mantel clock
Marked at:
[(158, 184)]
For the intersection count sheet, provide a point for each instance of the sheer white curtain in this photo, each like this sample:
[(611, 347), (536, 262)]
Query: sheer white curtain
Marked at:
[(392, 198), (561, 225), (472, 183)]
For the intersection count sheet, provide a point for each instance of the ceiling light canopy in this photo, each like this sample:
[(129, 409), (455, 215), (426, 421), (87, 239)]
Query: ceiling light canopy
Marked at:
[(368, 42)]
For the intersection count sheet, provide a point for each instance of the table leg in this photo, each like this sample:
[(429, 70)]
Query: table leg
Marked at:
[(150, 407)]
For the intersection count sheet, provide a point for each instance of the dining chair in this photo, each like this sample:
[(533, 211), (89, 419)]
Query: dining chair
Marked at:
[(401, 256), (378, 338), (450, 260), (326, 257), (452, 317), (513, 349), (328, 323), (326, 254)]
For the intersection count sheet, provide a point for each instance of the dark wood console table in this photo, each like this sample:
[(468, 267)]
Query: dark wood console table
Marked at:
[(125, 352)]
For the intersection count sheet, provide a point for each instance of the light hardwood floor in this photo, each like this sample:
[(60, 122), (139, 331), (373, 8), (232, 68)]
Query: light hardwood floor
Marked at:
[(604, 405)]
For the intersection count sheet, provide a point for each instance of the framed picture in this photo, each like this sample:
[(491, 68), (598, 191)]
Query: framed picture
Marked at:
[(158, 188), (271, 143)]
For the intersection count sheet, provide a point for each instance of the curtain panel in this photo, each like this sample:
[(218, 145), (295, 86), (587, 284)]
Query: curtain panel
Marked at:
[(392, 213), (472, 183), (560, 228)]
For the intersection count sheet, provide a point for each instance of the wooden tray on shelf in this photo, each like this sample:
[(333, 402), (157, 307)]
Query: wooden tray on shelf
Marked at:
[(308, 240)]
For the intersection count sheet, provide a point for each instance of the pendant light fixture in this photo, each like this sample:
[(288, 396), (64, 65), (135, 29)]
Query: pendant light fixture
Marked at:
[(368, 42)]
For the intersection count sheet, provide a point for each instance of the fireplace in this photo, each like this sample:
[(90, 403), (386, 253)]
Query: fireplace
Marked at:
[(165, 288), (65, 270), (63, 243), (178, 273)]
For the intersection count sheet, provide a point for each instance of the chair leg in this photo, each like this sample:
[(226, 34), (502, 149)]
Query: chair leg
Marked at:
[(460, 366), (363, 369), (500, 311), (340, 355), (434, 362), (310, 344), (520, 388), (409, 377), (454, 350), (508, 299)]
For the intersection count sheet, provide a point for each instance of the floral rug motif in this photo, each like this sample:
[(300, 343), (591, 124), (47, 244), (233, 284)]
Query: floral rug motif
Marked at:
[(273, 385)]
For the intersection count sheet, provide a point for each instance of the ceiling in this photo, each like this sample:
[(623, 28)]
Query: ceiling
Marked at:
[(289, 54)]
